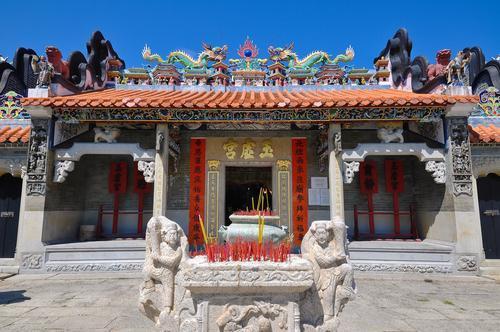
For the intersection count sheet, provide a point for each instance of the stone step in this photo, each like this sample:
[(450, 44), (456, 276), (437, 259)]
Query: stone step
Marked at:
[(491, 263), (98, 256), (401, 256), (489, 271), (9, 266), (9, 269), (8, 262)]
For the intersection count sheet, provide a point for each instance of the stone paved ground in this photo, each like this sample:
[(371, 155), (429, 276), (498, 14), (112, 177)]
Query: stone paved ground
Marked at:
[(107, 302)]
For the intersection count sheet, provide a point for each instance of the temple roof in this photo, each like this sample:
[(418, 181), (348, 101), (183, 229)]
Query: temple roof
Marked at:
[(248, 99), (484, 134), (14, 134)]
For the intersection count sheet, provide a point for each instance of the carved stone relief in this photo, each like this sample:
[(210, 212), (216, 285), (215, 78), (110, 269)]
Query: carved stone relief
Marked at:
[(350, 169), (460, 156), (15, 166), (31, 261), (438, 170), (467, 263), (213, 165), (325, 246), (256, 317), (148, 170), (166, 248), (183, 293), (61, 170), (283, 165), (337, 142), (37, 159)]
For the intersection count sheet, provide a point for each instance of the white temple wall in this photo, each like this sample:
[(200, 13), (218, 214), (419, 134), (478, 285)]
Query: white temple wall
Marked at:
[(76, 201), (433, 204)]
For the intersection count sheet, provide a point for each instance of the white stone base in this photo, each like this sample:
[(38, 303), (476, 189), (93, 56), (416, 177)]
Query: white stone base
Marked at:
[(402, 256), (95, 256)]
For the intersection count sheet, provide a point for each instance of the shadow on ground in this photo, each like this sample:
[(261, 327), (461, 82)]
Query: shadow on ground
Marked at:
[(14, 296)]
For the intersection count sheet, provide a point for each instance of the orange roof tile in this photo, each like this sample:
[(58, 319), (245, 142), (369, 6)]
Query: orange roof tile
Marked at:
[(244, 99), (17, 134), (483, 134)]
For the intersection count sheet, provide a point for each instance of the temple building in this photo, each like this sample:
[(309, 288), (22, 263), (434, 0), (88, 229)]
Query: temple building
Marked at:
[(391, 153)]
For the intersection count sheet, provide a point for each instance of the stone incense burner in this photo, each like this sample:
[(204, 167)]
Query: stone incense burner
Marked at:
[(245, 227), (305, 293)]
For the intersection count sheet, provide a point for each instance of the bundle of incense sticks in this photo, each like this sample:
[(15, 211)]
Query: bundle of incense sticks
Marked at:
[(260, 204), (200, 219)]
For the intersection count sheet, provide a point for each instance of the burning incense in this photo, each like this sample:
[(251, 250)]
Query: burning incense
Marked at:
[(261, 223), (267, 199), (200, 219), (260, 200), (253, 205)]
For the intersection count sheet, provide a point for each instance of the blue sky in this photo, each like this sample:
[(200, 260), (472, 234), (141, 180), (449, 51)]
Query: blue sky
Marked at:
[(312, 25)]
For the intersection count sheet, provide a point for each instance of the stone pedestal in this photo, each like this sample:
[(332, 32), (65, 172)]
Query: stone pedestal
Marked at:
[(245, 294), (305, 293)]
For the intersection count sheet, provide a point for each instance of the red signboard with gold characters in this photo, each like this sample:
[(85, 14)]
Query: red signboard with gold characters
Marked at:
[(196, 189), (299, 187)]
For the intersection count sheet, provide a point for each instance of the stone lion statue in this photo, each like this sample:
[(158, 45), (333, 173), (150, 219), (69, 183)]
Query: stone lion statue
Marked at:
[(106, 134), (390, 135)]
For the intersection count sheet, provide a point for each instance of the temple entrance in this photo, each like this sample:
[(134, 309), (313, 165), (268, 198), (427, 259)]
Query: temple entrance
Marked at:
[(489, 208), (243, 183), (10, 198)]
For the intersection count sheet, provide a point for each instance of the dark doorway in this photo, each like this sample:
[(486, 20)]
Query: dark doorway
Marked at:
[(10, 198), (243, 183), (489, 207)]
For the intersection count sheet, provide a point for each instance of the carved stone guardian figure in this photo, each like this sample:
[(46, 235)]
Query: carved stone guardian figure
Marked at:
[(166, 247), (324, 245)]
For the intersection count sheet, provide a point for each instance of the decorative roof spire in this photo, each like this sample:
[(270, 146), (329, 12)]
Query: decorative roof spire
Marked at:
[(248, 50)]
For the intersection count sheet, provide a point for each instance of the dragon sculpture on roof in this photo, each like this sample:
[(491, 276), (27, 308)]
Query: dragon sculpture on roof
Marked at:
[(318, 57), (214, 54)]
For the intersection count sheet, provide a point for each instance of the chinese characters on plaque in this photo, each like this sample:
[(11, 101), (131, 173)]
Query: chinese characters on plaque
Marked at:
[(248, 149), (299, 188), (196, 189)]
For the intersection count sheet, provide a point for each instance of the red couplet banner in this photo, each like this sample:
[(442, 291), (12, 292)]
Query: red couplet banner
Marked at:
[(196, 189), (394, 176), (299, 189), (368, 177), (118, 175)]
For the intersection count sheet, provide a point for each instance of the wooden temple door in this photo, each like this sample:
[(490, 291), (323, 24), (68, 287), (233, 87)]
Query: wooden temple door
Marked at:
[(10, 198), (489, 207)]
